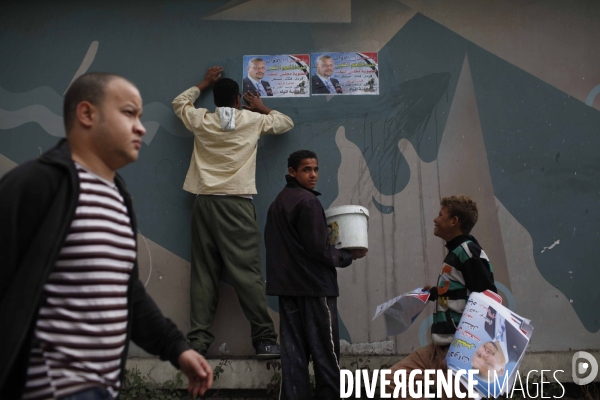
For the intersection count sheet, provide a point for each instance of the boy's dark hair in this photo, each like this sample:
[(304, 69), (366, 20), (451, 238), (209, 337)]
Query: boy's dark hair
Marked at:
[(464, 208), (225, 91), (88, 87), (297, 156)]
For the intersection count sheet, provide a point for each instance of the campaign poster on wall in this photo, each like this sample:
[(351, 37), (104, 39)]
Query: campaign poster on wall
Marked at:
[(344, 73), (285, 75)]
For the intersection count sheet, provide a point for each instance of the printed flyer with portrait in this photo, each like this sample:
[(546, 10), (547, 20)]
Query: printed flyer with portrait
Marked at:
[(344, 74), (286, 75), (492, 339)]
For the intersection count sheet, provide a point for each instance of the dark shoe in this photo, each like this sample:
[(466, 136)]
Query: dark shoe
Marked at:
[(202, 352), (266, 350)]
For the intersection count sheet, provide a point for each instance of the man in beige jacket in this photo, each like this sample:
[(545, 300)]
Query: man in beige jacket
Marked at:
[(225, 231)]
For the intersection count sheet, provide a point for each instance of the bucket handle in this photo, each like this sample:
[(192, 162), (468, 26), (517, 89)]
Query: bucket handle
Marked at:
[(363, 212)]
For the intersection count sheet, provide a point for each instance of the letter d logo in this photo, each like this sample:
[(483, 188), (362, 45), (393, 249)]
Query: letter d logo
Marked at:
[(580, 367)]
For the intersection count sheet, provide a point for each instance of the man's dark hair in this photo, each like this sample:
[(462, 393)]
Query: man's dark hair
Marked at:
[(225, 92), (464, 208), (297, 156), (88, 87)]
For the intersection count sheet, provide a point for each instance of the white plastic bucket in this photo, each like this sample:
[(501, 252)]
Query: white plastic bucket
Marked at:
[(348, 227)]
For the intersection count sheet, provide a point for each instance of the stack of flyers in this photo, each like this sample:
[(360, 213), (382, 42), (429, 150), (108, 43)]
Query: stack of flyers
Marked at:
[(400, 312), (491, 339)]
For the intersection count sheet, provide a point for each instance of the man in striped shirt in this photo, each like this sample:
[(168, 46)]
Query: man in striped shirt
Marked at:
[(465, 269), (69, 287)]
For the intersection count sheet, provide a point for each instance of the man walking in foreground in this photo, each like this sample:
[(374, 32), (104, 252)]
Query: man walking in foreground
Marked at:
[(225, 230), (301, 270), (465, 269), (69, 288)]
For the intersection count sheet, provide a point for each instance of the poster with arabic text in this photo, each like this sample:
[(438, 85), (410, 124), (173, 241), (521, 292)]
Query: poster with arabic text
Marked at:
[(344, 73), (285, 75)]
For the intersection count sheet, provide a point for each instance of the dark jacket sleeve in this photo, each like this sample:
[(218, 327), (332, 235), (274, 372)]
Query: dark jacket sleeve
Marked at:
[(477, 272), (151, 330), (26, 194), (312, 229)]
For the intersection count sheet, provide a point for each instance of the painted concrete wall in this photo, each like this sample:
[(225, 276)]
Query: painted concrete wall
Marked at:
[(495, 99)]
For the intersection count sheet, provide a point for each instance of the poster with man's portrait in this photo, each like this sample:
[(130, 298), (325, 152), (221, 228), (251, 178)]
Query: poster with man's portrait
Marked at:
[(344, 74), (286, 75), (491, 339)]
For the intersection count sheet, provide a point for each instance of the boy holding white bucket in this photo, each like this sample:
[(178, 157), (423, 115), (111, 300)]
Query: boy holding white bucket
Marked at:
[(301, 270)]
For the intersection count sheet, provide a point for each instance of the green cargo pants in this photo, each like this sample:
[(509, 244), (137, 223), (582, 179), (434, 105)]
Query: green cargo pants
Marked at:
[(225, 234)]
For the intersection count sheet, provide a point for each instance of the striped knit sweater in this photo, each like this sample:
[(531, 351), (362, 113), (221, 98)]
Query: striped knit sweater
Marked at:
[(81, 328), (466, 269)]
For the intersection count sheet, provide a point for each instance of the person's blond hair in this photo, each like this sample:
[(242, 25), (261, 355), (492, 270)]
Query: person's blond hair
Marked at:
[(464, 208)]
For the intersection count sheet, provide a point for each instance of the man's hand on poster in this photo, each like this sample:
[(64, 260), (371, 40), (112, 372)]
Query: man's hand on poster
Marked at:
[(213, 74), (255, 103), (358, 253)]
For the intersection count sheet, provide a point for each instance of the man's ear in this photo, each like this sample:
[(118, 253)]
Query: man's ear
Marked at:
[(292, 172), (85, 113)]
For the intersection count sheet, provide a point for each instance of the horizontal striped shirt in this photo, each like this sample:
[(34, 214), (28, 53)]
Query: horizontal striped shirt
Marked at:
[(81, 329), (466, 269)]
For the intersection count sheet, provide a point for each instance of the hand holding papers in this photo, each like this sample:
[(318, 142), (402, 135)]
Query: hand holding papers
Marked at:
[(401, 311)]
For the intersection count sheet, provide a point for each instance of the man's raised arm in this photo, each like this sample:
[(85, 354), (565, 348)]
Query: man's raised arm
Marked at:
[(274, 122), (183, 105)]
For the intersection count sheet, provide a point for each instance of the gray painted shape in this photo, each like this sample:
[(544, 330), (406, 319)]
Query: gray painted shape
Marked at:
[(542, 147), (151, 129), (42, 95), (593, 93), (266, 11), (230, 4), (88, 59), (6, 164), (163, 115), (50, 122), (25, 142), (381, 208)]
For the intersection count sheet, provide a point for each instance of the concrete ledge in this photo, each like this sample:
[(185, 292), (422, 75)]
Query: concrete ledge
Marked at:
[(250, 373), (240, 373)]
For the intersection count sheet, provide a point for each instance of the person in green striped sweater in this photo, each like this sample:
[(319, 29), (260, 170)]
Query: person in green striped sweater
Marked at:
[(465, 269)]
